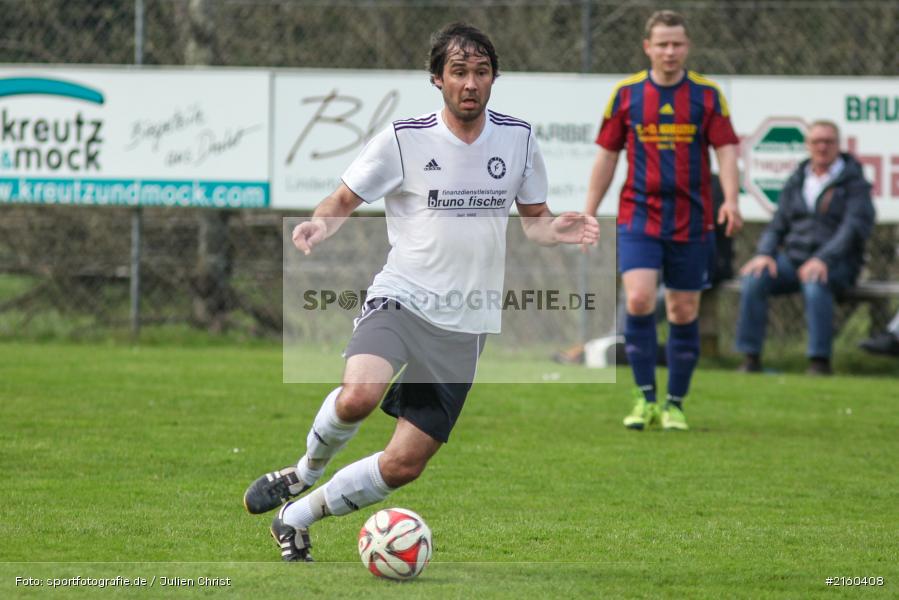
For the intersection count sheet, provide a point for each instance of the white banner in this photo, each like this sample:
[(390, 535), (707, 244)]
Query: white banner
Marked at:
[(168, 137), (324, 117), (222, 137), (770, 111)]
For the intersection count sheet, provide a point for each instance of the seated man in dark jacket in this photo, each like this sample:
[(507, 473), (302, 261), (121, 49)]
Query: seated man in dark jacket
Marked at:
[(814, 244)]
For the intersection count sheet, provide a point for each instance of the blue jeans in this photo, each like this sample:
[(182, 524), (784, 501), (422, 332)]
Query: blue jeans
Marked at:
[(818, 299)]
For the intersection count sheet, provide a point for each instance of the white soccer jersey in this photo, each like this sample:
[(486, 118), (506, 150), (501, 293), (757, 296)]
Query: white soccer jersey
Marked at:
[(447, 206)]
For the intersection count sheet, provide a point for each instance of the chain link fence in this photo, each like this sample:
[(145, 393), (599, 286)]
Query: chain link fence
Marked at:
[(65, 271), (827, 37)]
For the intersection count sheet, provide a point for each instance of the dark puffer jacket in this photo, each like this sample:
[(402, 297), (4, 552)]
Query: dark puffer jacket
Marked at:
[(838, 228)]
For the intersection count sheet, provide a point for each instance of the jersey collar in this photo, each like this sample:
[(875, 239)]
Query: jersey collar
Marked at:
[(666, 87), (445, 131)]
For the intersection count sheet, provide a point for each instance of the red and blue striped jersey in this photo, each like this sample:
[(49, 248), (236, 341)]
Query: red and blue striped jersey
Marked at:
[(667, 131)]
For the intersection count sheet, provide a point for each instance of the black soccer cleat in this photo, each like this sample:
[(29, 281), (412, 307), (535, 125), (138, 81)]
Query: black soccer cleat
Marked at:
[(883, 343), (294, 543), (273, 489)]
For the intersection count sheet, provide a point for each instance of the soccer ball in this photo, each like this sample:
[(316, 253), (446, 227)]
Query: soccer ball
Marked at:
[(395, 543)]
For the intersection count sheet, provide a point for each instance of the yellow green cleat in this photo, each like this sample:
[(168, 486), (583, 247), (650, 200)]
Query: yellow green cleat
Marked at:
[(644, 414), (673, 418)]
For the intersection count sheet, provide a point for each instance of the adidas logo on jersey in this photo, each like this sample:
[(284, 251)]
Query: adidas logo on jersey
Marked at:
[(432, 166), (666, 110)]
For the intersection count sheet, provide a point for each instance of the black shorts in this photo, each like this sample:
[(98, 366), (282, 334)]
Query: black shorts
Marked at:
[(438, 366)]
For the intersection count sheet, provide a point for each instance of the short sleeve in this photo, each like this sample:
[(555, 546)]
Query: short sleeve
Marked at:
[(721, 131), (535, 185), (378, 170), (613, 131)]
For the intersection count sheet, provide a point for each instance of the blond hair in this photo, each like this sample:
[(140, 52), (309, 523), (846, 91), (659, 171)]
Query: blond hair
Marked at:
[(668, 18)]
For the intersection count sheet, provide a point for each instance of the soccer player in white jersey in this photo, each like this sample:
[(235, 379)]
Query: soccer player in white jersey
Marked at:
[(448, 179)]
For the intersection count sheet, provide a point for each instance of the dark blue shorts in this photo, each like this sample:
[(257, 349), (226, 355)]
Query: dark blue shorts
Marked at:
[(440, 365), (685, 266)]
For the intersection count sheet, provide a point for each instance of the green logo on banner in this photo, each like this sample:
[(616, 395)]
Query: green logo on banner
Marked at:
[(782, 139), (872, 108), (20, 86), (771, 156)]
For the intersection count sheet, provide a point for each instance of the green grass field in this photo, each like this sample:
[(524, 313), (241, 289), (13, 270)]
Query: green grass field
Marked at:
[(119, 461)]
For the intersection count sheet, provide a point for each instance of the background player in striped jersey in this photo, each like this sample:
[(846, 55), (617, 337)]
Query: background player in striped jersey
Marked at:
[(416, 355), (666, 118)]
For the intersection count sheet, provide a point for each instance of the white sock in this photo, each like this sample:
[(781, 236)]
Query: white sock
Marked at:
[(356, 486), (307, 510), (353, 487), (329, 433)]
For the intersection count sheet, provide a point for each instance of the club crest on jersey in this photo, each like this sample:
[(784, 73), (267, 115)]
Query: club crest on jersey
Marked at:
[(496, 167), (432, 165)]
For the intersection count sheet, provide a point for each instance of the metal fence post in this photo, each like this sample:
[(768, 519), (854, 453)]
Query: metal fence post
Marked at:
[(583, 264), (136, 213)]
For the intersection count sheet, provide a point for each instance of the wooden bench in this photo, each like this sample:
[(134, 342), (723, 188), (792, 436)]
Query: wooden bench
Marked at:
[(863, 291), (876, 293)]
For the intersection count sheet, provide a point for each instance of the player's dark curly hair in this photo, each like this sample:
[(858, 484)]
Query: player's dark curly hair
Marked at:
[(470, 39)]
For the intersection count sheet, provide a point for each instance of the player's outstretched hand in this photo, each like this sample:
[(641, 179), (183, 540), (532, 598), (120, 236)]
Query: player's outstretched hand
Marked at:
[(308, 234), (729, 214), (757, 264), (576, 228)]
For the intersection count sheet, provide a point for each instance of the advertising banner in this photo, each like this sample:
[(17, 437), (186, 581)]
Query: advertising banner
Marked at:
[(248, 138), (325, 117), (771, 115), (149, 137)]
